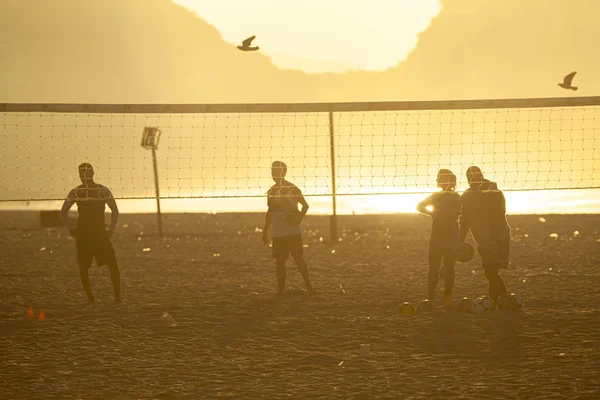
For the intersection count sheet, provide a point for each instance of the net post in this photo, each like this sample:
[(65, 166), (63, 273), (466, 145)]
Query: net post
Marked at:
[(150, 140), (158, 214), (333, 219)]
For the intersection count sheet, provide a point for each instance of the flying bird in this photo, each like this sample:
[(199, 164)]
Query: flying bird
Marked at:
[(246, 44), (566, 84)]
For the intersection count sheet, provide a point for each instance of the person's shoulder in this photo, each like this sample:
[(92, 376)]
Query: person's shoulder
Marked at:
[(293, 189), (453, 195), (273, 189), (488, 185), (446, 193), (105, 191), (469, 194)]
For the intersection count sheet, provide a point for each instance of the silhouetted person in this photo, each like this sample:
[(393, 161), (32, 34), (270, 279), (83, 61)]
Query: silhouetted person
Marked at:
[(484, 214), (283, 215), (445, 207), (91, 238)]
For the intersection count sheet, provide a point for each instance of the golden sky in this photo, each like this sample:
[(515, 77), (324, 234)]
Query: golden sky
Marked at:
[(322, 36), (158, 51)]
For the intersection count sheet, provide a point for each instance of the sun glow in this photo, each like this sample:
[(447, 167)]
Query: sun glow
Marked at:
[(323, 36)]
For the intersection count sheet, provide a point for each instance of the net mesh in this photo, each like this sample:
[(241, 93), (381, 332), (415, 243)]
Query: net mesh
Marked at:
[(228, 154)]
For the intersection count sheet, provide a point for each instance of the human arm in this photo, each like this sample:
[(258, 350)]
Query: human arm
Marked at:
[(268, 217), (304, 205), (463, 223), (64, 211), (114, 216), (422, 206)]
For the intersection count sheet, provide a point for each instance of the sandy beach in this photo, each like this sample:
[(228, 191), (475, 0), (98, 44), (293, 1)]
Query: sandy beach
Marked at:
[(233, 339)]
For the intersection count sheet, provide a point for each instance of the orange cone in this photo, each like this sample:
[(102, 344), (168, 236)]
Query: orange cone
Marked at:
[(42, 316), (30, 314)]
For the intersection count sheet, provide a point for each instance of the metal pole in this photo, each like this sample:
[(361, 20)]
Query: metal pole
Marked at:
[(333, 220), (158, 215)]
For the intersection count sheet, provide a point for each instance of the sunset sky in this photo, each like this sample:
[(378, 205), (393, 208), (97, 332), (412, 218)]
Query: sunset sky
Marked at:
[(184, 51), (323, 36)]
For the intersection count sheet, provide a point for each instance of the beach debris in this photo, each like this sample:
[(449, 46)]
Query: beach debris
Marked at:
[(342, 289), (575, 233), (365, 350), (554, 235), (168, 320), (542, 219), (216, 254), (41, 316), (30, 313), (146, 249), (333, 251), (43, 249)]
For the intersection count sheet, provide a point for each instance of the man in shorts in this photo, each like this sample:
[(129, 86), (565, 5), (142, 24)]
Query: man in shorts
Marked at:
[(91, 238), (283, 215), (484, 214)]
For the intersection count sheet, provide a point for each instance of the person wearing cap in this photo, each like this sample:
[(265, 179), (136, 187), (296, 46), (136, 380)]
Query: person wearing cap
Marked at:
[(483, 213)]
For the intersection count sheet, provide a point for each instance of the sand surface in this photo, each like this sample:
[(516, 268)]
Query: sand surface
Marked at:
[(233, 339)]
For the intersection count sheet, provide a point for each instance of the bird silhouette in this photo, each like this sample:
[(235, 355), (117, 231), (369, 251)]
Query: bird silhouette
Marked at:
[(246, 44), (566, 84)]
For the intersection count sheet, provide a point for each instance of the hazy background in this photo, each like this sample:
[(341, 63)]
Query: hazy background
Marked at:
[(157, 51)]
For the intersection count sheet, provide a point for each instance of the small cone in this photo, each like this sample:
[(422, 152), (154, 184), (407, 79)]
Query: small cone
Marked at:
[(42, 316), (30, 314)]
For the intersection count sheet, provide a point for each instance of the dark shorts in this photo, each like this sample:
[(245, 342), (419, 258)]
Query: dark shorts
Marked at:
[(285, 246), (92, 246), (442, 243), (495, 256)]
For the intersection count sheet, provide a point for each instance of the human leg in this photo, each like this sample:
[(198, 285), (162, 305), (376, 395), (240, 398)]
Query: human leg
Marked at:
[(115, 277), (435, 259)]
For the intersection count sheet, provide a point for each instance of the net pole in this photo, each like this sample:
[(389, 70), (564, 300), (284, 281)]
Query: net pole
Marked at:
[(333, 220), (158, 214)]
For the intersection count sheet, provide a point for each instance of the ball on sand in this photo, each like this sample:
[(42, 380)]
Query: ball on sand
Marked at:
[(511, 301), (464, 252), (481, 305), (425, 306), (464, 305), (406, 309)]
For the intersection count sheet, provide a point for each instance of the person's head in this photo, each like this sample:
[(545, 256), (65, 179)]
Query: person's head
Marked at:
[(474, 175), (446, 180), (278, 170), (86, 172)]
